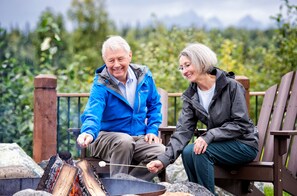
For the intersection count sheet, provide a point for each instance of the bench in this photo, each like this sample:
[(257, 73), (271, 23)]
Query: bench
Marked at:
[(277, 158)]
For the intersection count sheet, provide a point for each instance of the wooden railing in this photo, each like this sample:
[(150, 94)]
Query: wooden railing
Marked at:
[(55, 113)]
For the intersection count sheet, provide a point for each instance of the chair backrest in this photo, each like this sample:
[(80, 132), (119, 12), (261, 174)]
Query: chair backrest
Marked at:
[(164, 109), (291, 124), (278, 112), (264, 117)]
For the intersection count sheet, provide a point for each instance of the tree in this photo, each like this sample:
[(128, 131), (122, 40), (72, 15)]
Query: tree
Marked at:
[(285, 39), (91, 28), (51, 43), (16, 114)]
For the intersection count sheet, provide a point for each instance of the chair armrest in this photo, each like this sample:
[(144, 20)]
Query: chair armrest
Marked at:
[(199, 132), (283, 133), (281, 139), (167, 129), (74, 131), (166, 132)]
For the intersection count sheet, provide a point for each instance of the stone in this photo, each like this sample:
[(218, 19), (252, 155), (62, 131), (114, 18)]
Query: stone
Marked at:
[(175, 172), (31, 192), (15, 163), (186, 187)]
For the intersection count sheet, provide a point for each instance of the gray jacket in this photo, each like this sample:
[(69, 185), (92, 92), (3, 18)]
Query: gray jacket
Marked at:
[(227, 118)]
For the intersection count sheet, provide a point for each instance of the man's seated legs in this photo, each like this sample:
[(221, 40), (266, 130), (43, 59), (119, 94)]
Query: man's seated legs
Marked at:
[(121, 148)]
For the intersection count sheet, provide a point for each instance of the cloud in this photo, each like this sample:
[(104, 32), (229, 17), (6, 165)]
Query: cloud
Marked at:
[(228, 11), (20, 12)]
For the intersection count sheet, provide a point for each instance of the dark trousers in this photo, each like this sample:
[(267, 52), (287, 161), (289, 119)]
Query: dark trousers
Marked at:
[(121, 148), (200, 168)]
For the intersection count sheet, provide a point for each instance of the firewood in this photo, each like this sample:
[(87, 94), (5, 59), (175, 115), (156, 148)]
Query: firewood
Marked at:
[(94, 187), (65, 180)]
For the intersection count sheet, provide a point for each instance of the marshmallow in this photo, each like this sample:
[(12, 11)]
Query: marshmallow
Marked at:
[(102, 164)]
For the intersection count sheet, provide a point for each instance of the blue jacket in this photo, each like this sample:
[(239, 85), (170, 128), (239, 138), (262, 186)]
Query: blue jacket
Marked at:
[(108, 110)]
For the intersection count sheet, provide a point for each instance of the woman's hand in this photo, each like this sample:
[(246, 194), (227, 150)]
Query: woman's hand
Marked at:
[(155, 166), (200, 145), (84, 140)]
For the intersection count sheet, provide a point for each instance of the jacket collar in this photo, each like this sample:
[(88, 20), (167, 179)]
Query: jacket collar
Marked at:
[(221, 82), (140, 72)]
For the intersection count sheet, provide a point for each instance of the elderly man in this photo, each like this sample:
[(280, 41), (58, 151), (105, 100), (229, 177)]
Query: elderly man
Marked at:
[(121, 119)]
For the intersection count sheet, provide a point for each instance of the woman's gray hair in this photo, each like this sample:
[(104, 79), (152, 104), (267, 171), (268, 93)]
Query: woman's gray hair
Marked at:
[(201, 57), (114, 43)]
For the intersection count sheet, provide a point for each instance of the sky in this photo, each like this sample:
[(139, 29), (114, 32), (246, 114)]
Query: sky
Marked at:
[(21, 12)]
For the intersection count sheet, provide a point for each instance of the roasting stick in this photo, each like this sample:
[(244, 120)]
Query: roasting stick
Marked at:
[(103, 164)]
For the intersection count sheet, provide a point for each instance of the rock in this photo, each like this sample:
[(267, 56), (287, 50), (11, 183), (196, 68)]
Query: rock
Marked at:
[(186, 187), (15, 163), (175, 172), (31, 192), (176, 194)]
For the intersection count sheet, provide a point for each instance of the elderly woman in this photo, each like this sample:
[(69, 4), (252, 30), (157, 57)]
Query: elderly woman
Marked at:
[(218, 101)]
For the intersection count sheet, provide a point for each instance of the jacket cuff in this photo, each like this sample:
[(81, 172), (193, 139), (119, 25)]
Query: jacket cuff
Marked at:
[(153, 131), (165, 160), (208, 137), (90, 133)]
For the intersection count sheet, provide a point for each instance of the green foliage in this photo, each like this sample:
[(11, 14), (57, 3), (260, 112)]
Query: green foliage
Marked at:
[(159, 51), (16, 119), (268, 191), (51, 43), (91, 27), (285, 40)]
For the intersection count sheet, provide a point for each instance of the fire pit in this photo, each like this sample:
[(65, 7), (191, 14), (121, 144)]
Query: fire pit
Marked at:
[(123, 186), (67, 178)]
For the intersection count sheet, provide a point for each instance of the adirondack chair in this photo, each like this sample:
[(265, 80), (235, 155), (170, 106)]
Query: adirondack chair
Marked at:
[(277, 158), (104, 171)]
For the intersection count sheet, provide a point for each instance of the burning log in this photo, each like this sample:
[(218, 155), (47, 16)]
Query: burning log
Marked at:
[(94, 187), (64, 177), (65, 180), (61, 172)]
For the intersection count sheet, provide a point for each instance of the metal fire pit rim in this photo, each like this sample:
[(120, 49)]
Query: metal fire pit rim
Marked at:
[(161, 190)]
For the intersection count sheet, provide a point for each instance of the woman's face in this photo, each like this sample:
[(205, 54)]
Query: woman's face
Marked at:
[(187, 69)]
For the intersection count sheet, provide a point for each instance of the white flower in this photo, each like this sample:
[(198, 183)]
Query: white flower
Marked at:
[(45, 45)]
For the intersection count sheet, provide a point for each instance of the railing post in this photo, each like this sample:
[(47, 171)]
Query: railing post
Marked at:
[(245, 81), (45, 117)]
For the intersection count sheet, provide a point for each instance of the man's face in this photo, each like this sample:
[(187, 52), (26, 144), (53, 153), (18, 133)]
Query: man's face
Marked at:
[(117, 63)]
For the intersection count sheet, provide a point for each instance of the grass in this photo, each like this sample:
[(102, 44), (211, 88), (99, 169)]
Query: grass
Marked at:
[(268, 191)]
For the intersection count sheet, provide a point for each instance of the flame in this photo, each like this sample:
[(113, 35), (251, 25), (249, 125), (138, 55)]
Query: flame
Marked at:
[(76, 189)]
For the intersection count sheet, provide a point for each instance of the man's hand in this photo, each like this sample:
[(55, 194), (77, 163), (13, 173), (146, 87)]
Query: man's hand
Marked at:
[(155, 166), (84, 140), (150, 138)]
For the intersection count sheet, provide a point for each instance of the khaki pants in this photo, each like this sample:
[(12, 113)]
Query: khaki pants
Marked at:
[(121, 148)]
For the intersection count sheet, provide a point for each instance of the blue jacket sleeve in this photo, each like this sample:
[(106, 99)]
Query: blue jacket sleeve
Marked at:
[(154, 116), (92, 115)]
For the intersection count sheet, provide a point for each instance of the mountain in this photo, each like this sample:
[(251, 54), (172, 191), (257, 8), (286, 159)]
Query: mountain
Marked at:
[(213, 23), (249, 23), (185, 19), (190, 18)]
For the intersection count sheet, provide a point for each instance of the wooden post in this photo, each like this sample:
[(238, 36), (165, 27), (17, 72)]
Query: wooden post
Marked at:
[(45, 117), (246, 84)]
